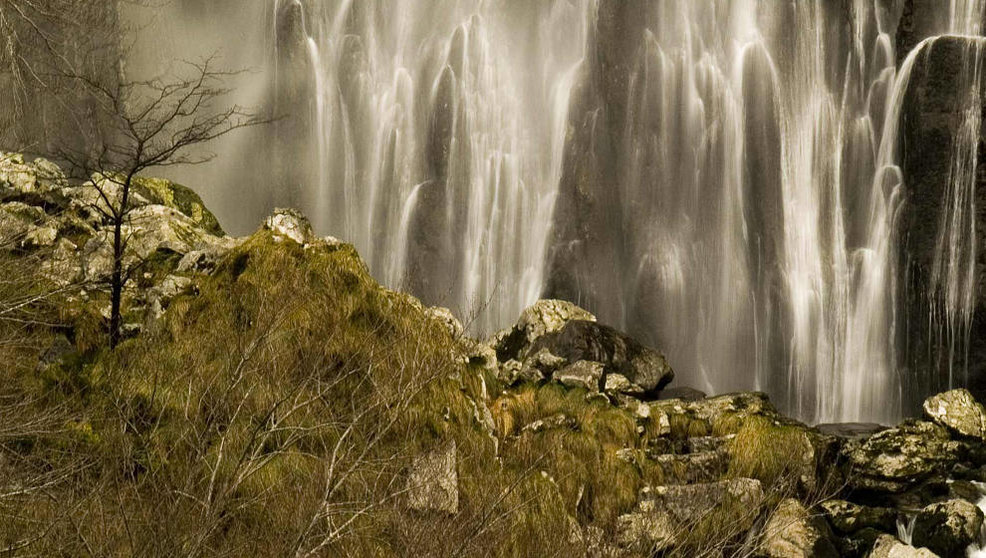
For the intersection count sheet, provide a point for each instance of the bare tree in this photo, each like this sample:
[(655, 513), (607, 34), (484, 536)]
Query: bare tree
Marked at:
[(160, 122)]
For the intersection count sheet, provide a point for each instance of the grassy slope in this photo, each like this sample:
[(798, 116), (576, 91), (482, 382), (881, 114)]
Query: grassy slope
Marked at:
[(276, 409)]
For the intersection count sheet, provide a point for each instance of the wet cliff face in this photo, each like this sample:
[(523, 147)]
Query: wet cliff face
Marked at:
[(943, 251)]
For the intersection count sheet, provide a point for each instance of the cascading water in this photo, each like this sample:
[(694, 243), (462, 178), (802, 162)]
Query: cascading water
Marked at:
[(722, 179), (436, 133)]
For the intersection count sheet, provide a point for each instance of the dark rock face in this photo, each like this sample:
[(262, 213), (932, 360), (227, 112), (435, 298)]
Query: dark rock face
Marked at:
[(947, 528), (936, 353), (582, 340)]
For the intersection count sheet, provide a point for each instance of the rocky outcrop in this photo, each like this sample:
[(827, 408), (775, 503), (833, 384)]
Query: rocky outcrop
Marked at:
[(899, 458), (947, 528), (959, 411)]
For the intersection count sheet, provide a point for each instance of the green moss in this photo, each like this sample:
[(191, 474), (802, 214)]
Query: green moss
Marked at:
[(179, 197)]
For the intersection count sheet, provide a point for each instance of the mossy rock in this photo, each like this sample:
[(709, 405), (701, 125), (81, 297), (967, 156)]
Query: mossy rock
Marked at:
[(182, 198)]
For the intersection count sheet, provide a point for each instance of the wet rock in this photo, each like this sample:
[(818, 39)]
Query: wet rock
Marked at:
[(433, 482), (899, 458), (947, 528), (292, 224), (958, 411), (587, 340), (847, 517), (792, 532), (887, 546)]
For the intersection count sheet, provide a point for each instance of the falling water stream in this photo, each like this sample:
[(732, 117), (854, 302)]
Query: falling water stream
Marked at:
[(757, 182)]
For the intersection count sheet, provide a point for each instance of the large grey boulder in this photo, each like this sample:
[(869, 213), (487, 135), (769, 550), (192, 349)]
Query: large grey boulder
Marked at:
[(542, 317), (887, 546), (620, 354), (947, 528), (959, 411), (793, 532), (433, 482)]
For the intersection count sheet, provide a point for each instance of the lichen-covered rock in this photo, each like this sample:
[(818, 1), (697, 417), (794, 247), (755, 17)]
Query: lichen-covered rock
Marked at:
[(543, 317), (169, 194), (959, 411), (445, 317), (688, 502), (793, 532), (847, 517), (433, 482), (899, 458), (292, 224), (583, 374), (887, 546), (590, 341), (947, 528), (689, 468)]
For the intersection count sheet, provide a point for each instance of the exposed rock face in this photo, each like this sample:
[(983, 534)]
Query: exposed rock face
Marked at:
[(957, 410), (433, 482), (889, 547), (933, 121), (947, 528), (793, 532)]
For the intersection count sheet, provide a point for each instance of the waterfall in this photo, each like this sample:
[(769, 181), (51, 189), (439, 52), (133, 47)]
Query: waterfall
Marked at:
[(724, 180), (458, 109)]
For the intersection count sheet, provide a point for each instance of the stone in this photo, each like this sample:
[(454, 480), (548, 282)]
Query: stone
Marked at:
[(690, 468), (581, 374), (645, 532), (292, 224), (887, 546), (899, 458), (619, 384), (543, 317), (687, 503), (792, 532), (850, 430), (433, 482), (445, 317), (847, 517), (621, 354), (947, 528), (683, 393), (958, 411)]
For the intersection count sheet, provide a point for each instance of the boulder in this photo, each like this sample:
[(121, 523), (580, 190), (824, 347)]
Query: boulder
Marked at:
[(587, 340), (899, 458), (433, 482), (543, 317), (947, 528), (445, 317), (887, 546), (583, 374), (847, 517), (958, 411), (792, 532), (291, 224)]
